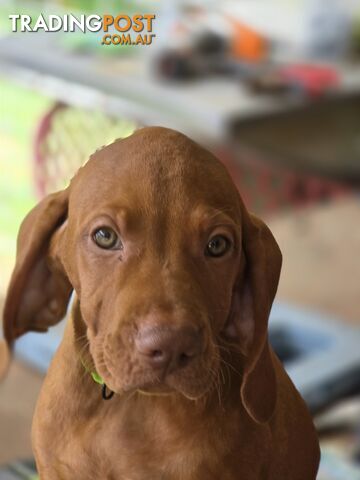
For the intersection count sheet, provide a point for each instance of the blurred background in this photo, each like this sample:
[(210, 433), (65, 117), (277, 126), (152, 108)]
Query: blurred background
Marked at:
[(270, 86)]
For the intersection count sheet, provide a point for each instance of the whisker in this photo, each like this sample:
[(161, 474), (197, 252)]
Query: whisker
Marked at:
[(81, 337)]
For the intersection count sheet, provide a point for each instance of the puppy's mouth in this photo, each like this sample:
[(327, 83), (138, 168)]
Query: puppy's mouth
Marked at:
[(193, 381), (192, 390)]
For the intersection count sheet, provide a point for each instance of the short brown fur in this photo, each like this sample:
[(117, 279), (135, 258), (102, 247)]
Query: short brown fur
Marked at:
[(232, 413)]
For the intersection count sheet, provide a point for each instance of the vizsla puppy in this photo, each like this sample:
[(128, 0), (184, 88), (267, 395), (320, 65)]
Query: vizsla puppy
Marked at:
[(174, 282)]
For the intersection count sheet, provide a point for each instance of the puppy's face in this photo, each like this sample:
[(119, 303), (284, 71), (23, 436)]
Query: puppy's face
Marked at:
[(166, 262), (152, 246)]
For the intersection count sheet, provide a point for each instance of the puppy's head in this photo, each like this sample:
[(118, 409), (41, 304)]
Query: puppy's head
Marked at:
[(166, 262)]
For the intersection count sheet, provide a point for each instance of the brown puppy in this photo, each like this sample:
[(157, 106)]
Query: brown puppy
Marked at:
[(174, 282)]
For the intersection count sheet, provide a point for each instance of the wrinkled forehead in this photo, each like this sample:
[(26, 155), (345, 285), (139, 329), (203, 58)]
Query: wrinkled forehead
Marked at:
[(154, 175)]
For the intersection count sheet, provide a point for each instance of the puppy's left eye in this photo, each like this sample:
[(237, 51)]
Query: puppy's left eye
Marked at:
[(217, 246), (105, 237)]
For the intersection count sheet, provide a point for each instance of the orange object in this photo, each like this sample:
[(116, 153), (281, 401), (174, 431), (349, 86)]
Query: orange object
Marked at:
[(247, 44)]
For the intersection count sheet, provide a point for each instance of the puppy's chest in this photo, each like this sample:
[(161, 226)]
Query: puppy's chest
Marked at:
[(160, 453), (143, 447)]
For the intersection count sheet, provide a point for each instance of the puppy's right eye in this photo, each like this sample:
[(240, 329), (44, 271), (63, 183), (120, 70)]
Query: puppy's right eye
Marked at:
[(217, 246), (105, 237)]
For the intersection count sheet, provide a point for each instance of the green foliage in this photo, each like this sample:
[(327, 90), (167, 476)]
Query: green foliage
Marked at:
[(20, 111)]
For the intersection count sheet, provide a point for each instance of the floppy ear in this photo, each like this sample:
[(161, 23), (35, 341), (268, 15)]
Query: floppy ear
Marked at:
[(254, 295), (39, 290)]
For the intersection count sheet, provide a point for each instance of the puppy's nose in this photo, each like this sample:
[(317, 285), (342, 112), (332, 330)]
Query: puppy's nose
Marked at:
[(168, 348)]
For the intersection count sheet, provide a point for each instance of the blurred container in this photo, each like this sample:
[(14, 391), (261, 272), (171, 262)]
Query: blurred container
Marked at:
[(298, 157), (320, 138)]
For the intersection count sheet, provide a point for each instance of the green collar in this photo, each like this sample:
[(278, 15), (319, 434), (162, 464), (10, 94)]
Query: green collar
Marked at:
[(99, 380), (96, 377)]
